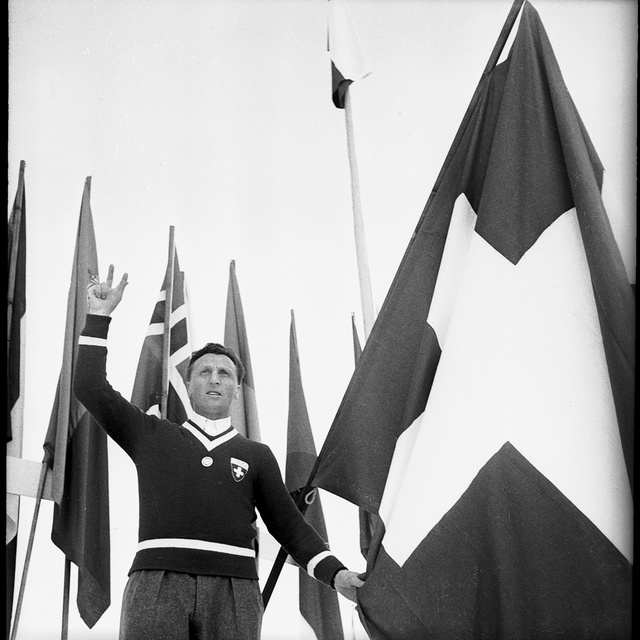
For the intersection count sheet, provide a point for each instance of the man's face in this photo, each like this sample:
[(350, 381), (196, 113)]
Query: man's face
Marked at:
[(213, 385)]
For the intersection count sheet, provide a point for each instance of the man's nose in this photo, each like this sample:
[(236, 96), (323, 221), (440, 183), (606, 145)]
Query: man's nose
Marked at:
[(215, 378)]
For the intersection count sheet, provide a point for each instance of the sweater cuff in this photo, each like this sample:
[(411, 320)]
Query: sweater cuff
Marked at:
[(326, 569), (96, 326)]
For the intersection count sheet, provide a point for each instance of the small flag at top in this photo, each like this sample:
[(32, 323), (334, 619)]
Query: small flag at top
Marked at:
[(348, 62)]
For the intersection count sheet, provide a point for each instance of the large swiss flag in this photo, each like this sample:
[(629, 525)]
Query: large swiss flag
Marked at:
[(489, 421)]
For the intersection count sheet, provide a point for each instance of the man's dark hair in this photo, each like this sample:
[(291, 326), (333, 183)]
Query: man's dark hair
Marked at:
[(220, 349)]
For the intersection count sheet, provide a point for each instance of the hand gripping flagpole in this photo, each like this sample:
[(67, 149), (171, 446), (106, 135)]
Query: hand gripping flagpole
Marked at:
[(166, 342), (493, 59)]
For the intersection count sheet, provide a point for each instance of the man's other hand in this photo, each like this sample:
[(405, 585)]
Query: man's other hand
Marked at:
[(347, 583)]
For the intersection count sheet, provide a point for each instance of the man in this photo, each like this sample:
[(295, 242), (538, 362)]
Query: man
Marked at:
[(194, 574)]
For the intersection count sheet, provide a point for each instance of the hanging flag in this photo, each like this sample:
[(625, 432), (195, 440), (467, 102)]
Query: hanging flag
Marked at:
[(348, 63), (489, 421), (16, 309), (148, 386), (318, 603), (76, 449), (244, 411)]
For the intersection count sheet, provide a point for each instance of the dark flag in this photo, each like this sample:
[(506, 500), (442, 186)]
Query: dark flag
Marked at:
[(76, 449), (147, 387), (318, 603), (244, 411), (16, 309), (489, 421)]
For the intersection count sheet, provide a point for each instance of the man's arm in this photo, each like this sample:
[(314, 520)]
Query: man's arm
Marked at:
[(113, 413), (289, 527)]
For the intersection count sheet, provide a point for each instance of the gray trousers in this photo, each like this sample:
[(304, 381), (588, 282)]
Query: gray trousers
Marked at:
[(164, 605)]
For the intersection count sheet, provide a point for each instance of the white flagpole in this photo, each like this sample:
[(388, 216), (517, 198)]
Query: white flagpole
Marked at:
[(366, 295)]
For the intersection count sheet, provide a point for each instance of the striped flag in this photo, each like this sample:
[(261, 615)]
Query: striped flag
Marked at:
[(244, 411), (16, 309), (489, 421), (147, 387), (348, 63), (76, 449), (318, 603)]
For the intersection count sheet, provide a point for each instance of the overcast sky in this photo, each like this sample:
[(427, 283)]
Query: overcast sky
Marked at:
[(215, 116)]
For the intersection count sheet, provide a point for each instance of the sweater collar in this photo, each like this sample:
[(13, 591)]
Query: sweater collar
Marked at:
[(210, 427)]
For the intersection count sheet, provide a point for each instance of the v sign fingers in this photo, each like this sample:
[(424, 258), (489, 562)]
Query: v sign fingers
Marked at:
[(103, 298)]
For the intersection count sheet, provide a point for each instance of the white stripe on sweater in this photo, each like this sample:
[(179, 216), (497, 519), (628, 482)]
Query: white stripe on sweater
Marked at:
[(92, 342), (313, 563), (200, 545)]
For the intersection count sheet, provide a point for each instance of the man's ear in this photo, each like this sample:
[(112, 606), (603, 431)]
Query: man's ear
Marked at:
[(237, 393)]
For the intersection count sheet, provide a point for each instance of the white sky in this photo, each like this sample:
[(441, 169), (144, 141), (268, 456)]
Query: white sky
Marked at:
[(215, 117)]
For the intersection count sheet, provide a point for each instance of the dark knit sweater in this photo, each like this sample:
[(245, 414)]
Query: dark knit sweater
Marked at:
[(198, 495)]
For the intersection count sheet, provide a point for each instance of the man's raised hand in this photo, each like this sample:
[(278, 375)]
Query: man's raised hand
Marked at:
[(103, 297)]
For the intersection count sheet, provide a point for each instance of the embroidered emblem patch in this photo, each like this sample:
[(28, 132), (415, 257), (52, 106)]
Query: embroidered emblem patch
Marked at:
[(239, 469)]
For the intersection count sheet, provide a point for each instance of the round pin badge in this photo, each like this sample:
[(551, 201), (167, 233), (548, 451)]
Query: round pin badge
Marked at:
[(207, 461)]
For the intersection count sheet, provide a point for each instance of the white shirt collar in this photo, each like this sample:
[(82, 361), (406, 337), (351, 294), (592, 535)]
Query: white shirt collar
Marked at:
[(210, 427)]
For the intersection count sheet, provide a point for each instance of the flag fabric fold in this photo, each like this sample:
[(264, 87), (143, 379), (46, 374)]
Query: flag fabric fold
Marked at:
[(318, 603), (16, 310), (244, 411), (489, 421), (76, 449), (348, 63), (147, 387)]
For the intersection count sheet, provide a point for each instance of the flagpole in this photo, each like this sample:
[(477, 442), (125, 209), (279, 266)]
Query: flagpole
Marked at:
[(27, 558), (364, 278), (65, 599), (166, 343)]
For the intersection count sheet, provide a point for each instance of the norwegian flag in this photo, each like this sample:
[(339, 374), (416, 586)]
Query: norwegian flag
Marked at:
[(147, 388)]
